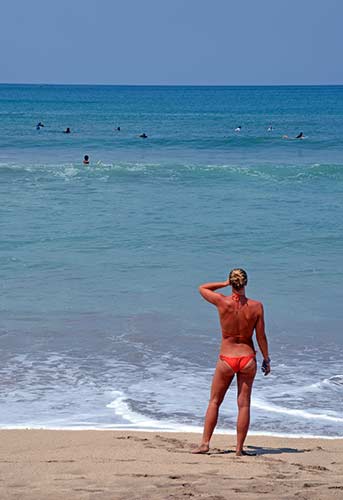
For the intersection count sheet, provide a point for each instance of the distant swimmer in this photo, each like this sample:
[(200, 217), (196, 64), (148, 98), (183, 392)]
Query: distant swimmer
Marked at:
[(39, 125), (118, 128), (143, 136), (270, 128), (86, 160), (238, 129), (67, 131), (299, 136)]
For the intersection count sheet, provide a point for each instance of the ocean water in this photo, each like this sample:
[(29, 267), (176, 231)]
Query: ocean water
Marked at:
[(101, 322)]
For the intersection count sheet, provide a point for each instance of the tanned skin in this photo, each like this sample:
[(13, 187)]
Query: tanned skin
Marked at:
[(239, 317)]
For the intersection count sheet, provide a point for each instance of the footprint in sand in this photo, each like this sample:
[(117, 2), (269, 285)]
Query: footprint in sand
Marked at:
[(311, 485), (134, 438), (311, 468)]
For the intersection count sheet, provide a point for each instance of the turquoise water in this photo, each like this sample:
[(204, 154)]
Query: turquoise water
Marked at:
[(101, 321)]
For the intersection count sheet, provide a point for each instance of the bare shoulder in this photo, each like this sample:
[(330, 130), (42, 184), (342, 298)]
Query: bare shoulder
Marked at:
[(256, 305), (224, 302)]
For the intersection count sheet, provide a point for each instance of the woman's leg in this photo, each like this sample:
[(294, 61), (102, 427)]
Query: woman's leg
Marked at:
[(222, 379), (245, 379)]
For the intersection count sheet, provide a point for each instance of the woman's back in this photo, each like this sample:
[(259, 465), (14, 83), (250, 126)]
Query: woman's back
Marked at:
[(238, 318)]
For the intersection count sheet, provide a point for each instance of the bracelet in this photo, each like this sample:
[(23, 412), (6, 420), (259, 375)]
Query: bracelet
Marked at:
[(266, 360)]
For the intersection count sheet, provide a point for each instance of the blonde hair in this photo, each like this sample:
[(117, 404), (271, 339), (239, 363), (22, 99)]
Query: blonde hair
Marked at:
[(238, 278)]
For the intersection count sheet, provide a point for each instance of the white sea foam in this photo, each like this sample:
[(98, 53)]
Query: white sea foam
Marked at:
[(335, 382), (262, 405), (134, 419), (140, 422)]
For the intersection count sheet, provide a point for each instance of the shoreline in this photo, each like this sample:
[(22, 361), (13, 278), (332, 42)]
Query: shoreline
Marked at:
[(123, 465), (181, 430)]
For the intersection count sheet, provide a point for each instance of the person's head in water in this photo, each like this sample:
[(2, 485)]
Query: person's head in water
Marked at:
[(86, 160), (238, 279)]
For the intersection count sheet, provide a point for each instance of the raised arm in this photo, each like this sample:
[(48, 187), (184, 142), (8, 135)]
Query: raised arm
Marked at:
[(262, 341), (207, 290)]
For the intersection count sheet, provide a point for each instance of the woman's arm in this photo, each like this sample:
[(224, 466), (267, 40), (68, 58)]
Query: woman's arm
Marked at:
[(207, 290), (262, 341)]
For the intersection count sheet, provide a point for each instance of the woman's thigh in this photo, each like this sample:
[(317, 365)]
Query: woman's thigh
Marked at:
[(222, 379), (245, 380)]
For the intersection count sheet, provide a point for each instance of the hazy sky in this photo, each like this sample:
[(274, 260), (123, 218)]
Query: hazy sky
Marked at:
[(220, 42)]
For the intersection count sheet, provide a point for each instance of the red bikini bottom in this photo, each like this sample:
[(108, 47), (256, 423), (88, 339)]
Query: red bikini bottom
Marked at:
[(237, 363)]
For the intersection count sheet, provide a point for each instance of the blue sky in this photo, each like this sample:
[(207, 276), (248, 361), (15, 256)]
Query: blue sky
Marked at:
[(217, 42)]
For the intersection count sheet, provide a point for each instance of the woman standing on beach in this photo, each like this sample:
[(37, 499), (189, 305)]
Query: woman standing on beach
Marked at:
[(239, 317)]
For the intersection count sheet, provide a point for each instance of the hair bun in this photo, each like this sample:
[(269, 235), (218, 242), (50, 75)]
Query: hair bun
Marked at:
[(238, 278)]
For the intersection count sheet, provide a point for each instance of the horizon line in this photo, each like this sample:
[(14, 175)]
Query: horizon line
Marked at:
[(177, 84)]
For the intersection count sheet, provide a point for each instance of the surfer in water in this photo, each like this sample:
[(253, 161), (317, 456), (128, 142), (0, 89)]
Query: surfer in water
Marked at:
[(238, 129), (86, 160), (299, 136), (239, 317)]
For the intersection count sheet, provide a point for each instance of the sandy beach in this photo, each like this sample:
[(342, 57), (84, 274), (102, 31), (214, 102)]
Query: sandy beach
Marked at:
[(41, 464)]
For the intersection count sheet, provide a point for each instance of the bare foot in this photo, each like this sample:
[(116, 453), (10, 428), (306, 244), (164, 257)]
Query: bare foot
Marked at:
[(202, 449), (242, 453)]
